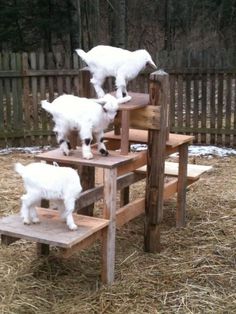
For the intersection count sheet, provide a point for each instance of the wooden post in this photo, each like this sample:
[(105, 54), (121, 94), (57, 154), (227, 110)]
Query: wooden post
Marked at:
[(158, 91), (182, 183), (109, 235), (42, 249)]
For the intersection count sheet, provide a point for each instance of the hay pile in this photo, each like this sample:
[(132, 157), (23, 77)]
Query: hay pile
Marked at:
[(195, 272)]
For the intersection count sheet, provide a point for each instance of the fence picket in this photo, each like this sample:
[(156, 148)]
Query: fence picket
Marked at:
[(202, 95)]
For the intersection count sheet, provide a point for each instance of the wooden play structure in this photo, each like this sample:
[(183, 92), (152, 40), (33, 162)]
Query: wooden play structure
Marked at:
[(142, 120)]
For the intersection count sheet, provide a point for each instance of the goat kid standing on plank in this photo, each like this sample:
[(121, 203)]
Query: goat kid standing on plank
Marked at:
[(51, 182), (124, 65), (87, 116)]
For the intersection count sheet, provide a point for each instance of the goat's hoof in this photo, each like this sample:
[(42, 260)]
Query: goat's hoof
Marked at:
[(73, 227), (35, 220), (104, 152), (26, 221), (67, 153), (88, 156)]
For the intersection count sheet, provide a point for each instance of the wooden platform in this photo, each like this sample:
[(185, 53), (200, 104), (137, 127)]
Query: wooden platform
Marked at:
[(138, 100), (51, 230), (172, 169), (113, 160), (141, 136)]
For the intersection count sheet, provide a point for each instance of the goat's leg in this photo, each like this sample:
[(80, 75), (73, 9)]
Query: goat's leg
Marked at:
[(33, 213), (121, 91), (28, 202), (61, 208), (63, 141), (69, 208), (97, 84), (86, 138), (100, 142)]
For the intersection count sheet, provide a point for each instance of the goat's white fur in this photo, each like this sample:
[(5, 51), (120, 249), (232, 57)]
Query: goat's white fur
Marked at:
[(87, 116), (44, 181), (124, 65)]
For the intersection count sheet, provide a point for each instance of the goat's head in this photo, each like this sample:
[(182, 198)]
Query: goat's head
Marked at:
[(110, 105), (146, 58)]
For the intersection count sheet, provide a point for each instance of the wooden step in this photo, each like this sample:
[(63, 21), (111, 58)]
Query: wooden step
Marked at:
[(171, 169), (51, 230), (113, 160), (141, 136), (138, 100)]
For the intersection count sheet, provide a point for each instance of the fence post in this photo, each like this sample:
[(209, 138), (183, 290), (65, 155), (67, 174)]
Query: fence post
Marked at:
[(158, 91)]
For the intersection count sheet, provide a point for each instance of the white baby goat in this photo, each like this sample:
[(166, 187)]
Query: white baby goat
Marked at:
[(87, 116), (44, 181), (124, 65)]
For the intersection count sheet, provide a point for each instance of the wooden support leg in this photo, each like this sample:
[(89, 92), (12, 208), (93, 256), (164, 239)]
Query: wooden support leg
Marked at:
[(125, 132), (109, 234), (42, 249), (182, 183), (124, 196), (7, 240), (87, 175)]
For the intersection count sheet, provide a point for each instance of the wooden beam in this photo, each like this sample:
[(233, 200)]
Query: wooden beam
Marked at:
[(130, 211), (139, 161), (65, 253), (143, 118), (7, 240)]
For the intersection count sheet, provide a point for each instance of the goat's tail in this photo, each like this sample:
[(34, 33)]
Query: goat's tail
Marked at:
[(19, 168), (47, 106), (82, 54)]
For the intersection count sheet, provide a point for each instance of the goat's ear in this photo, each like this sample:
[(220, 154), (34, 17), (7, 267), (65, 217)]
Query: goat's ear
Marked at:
[(152, 64)]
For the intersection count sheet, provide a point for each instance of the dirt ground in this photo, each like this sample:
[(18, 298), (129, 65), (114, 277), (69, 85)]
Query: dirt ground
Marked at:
[(194, 273)]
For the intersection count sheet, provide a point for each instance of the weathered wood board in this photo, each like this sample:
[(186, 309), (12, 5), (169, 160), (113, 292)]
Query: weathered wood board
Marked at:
[(51, 230)]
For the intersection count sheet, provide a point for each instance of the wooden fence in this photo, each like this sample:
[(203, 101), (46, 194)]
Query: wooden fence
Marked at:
[(202, 102)]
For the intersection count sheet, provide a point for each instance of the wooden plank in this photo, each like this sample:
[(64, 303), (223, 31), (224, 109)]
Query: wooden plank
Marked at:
[(114, 159), (188, 100), (139, 160), (7, 94), (234, 111), (87, 178), (196, 104), (228, 100), (109, 236), (34, 90), (182, 184), (26, 99), (65, 253), (51, 230), (212, 107), (141, 136), (42, 90), (143, 118), (172, 169), (203, 106), (172, 100), (138, 100), (180, 102), (68, 87), (220, 91), (2, 115), (130, 211), (7, 240), (124, 148)]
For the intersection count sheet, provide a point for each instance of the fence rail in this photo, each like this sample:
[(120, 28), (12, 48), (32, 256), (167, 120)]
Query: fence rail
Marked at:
[(202, 100)]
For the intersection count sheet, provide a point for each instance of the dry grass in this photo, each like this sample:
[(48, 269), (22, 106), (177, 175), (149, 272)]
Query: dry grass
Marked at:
[(195, 272)]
